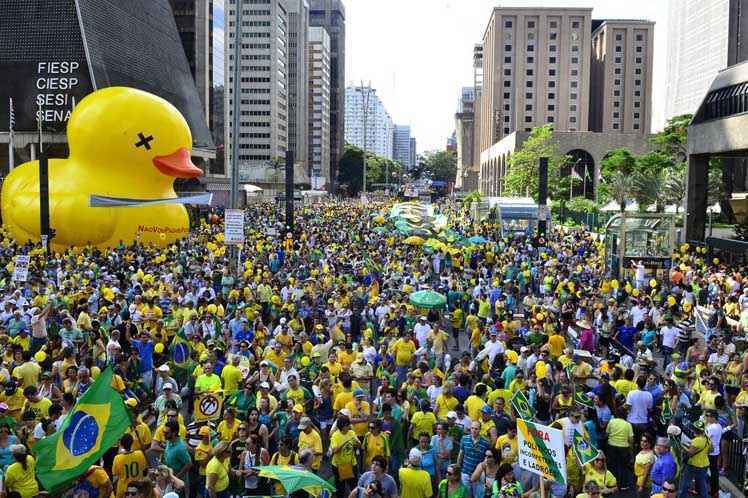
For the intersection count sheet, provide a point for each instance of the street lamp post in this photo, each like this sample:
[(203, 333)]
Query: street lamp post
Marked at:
[(365, 93)]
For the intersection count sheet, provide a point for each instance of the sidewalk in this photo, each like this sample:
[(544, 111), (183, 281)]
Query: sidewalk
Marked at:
[(726, 485)]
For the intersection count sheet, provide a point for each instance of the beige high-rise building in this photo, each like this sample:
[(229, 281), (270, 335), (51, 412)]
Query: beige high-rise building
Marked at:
[(621, 76), (319, 108), (536, 64)]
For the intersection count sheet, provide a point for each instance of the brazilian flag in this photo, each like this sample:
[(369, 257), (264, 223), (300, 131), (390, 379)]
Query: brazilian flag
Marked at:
[(94, 425), (180, 350), (580, 397), (523, 408), (584, 450)]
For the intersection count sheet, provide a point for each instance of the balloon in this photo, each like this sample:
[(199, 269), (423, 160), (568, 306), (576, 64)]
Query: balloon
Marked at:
[(305, 361), (684, 247), (212, 309), (40, 356), (687, 307), (715, 261), (512, 356), (628, 288), (671, 301), (653, 283), (145, 144), (635, 293), (614, 283), (158, 348)]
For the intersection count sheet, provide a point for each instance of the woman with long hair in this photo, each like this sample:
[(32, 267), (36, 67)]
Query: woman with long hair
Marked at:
[(643, 464), (598, 472), (20, 476), (255, 455), (452, 486), (485, 473)]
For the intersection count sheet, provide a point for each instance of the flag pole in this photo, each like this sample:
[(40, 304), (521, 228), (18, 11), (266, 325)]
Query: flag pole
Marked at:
[(11, 141)]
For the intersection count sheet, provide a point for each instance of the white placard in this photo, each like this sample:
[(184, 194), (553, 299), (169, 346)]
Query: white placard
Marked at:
[(541, 451), (234, 226), (21, 268)]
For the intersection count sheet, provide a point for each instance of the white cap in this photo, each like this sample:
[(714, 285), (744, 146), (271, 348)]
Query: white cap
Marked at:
[(452, 414), (264, 385), (283, 321), (163, 368), (524, 349), (414, 457), (168, 385)]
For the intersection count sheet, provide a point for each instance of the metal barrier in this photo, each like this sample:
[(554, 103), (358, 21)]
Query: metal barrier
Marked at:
[(736, 462)]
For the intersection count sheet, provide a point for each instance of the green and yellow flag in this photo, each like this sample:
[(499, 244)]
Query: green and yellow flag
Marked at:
[(94, 425), (522, 406), (580, 397), (180, 350), (584, 450)]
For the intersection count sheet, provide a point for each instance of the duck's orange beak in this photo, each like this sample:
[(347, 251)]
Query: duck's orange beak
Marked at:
[(177, 164)]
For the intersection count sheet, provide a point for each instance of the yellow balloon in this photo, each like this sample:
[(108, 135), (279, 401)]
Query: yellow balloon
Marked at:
[(212, 309), (614, 283), (146, 144), (635, 293), (715, 261), (653, 283), (628, 288), (687, 307), (684, 247), (671, 300), (305, 361), (159, 348)]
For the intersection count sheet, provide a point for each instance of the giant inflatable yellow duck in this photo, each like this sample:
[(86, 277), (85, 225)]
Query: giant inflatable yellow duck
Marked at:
[(124, 143)]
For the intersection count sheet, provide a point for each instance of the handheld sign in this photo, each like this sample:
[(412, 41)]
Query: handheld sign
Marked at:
[(541, 451), (21, 268), (234, 226)]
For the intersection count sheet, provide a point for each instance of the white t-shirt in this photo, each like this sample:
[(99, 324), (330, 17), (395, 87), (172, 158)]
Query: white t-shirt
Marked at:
[(422, 331), (669, 336), (714, 431), (637, 315), (720, 359), (640, 402)]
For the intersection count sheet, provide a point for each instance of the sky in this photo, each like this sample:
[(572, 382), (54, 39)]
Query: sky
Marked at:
[(418, 54)]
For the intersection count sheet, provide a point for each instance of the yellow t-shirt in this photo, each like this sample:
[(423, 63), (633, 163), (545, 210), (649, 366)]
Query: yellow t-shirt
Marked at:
[(507, 448), (22, 481), (473, 406), (624, 387), (701, 457), (226, 433), (221, 470), (415, 483), (422, 422), (28, 374), (619, 432), (231, 377), (361, 427), (347, 454), (202, 455), (404, 350), (375, 445), (486, 426), (445, 404), (604, 479), (128, 467), (556, 345), (313, 441), (141, 436), (707, 398)]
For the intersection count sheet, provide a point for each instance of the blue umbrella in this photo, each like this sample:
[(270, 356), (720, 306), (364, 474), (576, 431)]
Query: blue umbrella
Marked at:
[(477, 239)]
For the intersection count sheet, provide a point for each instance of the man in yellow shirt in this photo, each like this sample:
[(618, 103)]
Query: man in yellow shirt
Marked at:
[(474, 403), (414, 481), (404, 349), (507, 445), (310, 438), (556, 344), (127, 466), (231, 376), (359, 412)]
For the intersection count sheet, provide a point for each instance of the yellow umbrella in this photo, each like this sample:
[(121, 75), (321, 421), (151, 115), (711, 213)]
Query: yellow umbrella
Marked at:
[(414, 241), (436, 244)]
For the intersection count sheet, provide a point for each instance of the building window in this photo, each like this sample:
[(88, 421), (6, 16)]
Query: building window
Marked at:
[(637, 82), (506, 131), (507, 95), (528, 84), (616, 104), (530, 36), (575, 24), (616, 115), (549, 119), (529, 72), (573, 96), (551, 107), (636, 115), (531, 60), (573, 84), (619, 37), (507, 72), (528, 119), (551, 96), (507, 24), (531, 24), (638, 50), (551, 84), (616, 93), (506, 107), (528, 129), (528, 107), (572, 119), (637, 93), (507, 60), (575, 60), (638, 60), (616, 126), (575, 48), (551, 60), (573, 108), (553, 35), (638, 71), (553, 24), (551, 72), (507, 48), (574, 72), (616, 82), (507, 83), (636, 126), (531, 48), (637, 104), (528, 95), (619, 48), (640, 37), (506, 119), (552, 48), (618, 60), (617, 70)]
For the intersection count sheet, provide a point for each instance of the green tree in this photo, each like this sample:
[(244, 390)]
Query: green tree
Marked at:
[(617, 187), (673, 139), (378, 169), (440, 165), (675, 187), (522, 174), (617, 160)]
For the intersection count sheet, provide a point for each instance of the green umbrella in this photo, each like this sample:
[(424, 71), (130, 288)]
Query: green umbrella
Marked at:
[(428, 299), (379, 230), (293, 479)]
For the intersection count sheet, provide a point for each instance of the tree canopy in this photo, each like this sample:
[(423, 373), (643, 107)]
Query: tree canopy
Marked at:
[(379, 170), (522, 175)]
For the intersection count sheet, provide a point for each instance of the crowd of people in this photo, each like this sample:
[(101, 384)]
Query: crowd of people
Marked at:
[(323, 363)]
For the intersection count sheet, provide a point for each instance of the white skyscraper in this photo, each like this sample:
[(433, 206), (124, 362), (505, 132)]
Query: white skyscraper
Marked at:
[(263, 119), (379, 125), (319, 107), (697, 49), (401, 146)]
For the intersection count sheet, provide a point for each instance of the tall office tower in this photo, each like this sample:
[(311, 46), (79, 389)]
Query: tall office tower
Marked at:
[(704, 37), (536, 64), (478, 91), (319, 108), (413, 152), (379, 126), (401, 146), (263, 87), (621, 76), (330, 14), (298, 80), (201, 29), (465, 130)]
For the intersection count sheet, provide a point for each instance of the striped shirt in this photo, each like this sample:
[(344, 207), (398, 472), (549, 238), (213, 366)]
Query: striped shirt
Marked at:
[(472, 452)]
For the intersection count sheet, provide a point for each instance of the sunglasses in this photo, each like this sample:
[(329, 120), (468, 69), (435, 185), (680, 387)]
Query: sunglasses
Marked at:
[(450, 473), (669, 490), (131, 493), (242, 428)]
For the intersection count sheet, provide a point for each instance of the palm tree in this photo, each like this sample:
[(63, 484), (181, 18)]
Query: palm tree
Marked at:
[(675, 187), (649, 188), (618, 186)]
